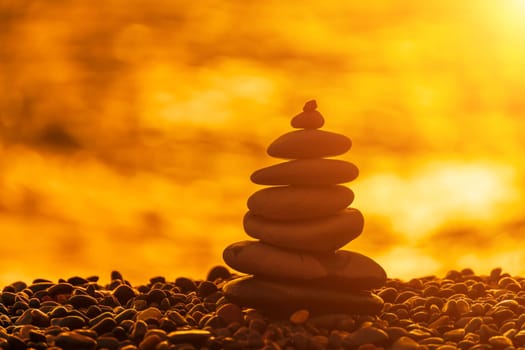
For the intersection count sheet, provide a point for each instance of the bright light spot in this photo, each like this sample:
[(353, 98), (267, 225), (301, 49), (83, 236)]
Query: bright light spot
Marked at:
[(508, 16), (517, 4), (438, 193), (405, 262)]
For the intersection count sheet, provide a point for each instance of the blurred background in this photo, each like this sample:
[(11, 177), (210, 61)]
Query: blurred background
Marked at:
[(129, 128)]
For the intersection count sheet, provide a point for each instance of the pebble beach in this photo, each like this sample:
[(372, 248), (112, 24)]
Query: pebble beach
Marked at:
[(461, 310)]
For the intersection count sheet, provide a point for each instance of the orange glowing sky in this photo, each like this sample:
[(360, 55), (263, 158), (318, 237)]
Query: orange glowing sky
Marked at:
[(128, 131)]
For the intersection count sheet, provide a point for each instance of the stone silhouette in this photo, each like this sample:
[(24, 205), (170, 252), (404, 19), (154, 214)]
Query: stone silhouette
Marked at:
[(300, 224)]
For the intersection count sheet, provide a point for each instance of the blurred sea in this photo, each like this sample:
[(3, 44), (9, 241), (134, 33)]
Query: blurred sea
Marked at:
[(129, 130)]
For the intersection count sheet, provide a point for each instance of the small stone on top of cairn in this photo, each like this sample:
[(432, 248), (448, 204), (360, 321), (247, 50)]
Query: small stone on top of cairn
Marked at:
[(299, 226), (309, 118)]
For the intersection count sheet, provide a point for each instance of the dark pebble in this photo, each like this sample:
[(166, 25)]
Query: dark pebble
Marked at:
[(388, 294), (116, 275), (185, 284), (72, 322), (367, 335), (463, 311), (195, 337), (157, 279), (93, 278), (206, 288), (139, 330), (93, 311), (38, 286), (91, 289), (15, 343), (75, 341), (58, 311), (230, 313), (155, 296), (102, 316), (109, 300), (218, 272), (37, 336), (9, 289), (82, 301), (38, 280), (3, 309), (124, 293), (34, 303), (108, 342), (120, 333), (104, 326), (126, 314), (87, 332), (25, 318), (60, 288), (39, 318), (176, 317), (150, 342), (213, 322), (165, 304), (18, 286), (8, 298), (77, 281), (168, 325), (403, 296), (19, 305)]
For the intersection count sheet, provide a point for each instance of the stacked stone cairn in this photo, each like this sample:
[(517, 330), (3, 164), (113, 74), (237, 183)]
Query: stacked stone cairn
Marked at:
[(300, 225)]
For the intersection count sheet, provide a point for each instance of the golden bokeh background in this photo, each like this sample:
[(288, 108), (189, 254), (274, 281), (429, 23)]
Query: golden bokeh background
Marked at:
[(129, 128)]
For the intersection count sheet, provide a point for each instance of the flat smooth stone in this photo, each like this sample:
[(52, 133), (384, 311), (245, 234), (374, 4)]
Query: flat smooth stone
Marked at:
[(281, 299), (262, 259), (313, 171), (309, 143), (318, 235), (308, 120), (341, 269), (299, 202)]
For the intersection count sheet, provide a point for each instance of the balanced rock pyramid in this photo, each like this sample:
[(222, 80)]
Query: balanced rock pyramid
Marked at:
[(300, 224)]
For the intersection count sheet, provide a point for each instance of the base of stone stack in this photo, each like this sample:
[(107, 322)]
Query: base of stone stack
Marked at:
[(280, 299)]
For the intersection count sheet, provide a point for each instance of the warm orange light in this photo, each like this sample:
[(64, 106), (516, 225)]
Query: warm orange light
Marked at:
[(128, 133)]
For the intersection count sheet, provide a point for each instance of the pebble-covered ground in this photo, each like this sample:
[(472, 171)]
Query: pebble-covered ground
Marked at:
[(461, 310)]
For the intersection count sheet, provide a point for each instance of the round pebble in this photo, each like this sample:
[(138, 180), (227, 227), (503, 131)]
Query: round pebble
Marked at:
[(149, 313), (82, 300), (230, 313), (367, 335), (309, 118), (300, 316), (75, 341), (405, 343), (492, 320), (218, 272), (123, 293)]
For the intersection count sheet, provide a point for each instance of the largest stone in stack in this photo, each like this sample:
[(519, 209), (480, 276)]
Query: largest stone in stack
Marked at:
[(300, 225)]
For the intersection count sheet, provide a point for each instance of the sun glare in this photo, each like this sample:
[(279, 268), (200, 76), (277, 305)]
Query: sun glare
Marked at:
[(453, 191)]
